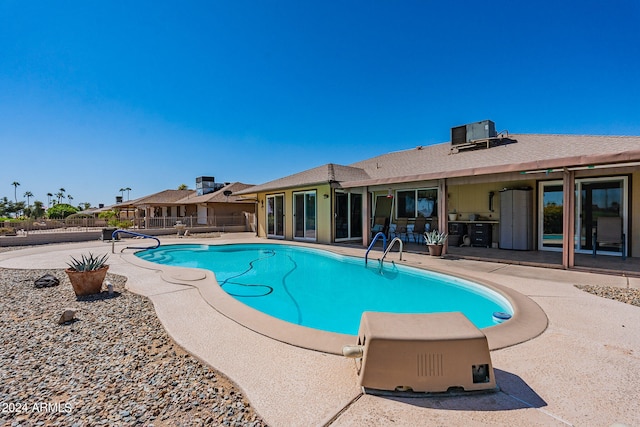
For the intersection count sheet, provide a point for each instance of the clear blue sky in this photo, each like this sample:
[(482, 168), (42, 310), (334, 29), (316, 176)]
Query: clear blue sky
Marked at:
[(100, 95)]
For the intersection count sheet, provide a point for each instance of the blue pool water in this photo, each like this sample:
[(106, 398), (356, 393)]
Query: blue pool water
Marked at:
[(327, 291)]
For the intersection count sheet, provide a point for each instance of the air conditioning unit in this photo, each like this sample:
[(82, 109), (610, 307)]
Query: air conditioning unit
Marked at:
[(473, 131)]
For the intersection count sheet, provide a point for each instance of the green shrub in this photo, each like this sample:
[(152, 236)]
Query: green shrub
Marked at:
[(88, 263), (61, 210), (7, 231), (110, 216), (124, 224)]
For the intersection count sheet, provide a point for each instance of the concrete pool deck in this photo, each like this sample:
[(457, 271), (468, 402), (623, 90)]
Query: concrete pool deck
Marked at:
[(584, 369)]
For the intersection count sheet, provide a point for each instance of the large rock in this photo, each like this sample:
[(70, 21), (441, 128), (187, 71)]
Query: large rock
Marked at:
[(47, 281)]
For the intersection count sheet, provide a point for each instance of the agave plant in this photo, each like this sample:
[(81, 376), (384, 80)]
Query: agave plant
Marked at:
[(88, 263), (434, 237)]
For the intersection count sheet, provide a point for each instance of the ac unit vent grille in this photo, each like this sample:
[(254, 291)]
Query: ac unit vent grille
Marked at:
[(430, 365)]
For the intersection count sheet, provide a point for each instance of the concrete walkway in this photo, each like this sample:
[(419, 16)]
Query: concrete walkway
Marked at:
[(583, 370)]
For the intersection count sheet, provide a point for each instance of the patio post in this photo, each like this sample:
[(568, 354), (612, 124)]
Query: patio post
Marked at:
[(568, 220), (442, 210), (366, 220)]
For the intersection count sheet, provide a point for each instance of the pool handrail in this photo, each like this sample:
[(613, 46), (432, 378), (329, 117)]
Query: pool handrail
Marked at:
[(373, 242), (114, 235), (386, 251)]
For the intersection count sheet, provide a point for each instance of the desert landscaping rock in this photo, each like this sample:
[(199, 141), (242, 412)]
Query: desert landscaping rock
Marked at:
[(46, 281), (625, 295), (68, 315), (113, 365)]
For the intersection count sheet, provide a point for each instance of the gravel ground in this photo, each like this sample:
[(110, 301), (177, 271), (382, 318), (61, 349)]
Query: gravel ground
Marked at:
[(113, 365), (626, 295)]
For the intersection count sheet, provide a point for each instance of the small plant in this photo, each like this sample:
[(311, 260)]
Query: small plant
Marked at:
[(88, 263), (7, 231), (111, 217), (434, 237)]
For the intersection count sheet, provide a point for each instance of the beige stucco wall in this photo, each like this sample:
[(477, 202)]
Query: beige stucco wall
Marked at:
[(323, 212), (230, 208), (474, 198)]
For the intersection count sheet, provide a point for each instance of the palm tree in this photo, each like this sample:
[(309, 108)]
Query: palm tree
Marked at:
[(49, 196), (28, 195), (70, 197), (122, 190), (15, 189), (38, 210), (127, 190), (60, 195)]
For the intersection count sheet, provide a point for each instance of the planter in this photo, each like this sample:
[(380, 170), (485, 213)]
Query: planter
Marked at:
[(453, 216), (435, 250), (87, 282)]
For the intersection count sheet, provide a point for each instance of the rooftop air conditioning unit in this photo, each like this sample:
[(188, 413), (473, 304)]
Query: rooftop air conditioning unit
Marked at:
[(473, 131)]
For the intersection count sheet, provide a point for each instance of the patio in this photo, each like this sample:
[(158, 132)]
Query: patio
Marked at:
[(583, 262), (583, 370)]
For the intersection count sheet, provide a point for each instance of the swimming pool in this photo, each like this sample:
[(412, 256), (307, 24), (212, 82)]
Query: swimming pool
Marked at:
[(327, 291)]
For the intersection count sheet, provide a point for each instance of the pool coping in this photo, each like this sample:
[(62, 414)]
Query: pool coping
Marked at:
[(528, 321)]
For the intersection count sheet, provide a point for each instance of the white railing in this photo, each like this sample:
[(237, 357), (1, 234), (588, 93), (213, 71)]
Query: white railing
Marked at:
[(240, 222)]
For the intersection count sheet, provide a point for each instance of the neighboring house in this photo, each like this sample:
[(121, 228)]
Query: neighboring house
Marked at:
[(532, 192), (219, 208), (157, 205), (161, 205)]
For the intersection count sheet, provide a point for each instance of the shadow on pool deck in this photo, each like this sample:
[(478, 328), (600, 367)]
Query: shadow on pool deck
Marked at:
[(514, 394)]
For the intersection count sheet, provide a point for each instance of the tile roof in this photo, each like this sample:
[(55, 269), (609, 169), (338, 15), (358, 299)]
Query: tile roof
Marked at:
[(530, 152), (166, 197), (219, 196), (525, 152), (320, 175)]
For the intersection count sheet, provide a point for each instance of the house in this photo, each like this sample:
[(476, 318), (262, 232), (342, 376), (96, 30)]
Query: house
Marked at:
[(510, 191), (220, 207), (211, 204)]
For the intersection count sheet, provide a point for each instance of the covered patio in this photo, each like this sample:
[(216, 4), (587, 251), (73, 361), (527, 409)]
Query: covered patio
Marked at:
[(614, 265)]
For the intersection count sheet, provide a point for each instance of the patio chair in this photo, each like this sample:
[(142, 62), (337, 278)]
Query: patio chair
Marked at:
[(608, 232), (419, 228), (380, 224), (401, 228)]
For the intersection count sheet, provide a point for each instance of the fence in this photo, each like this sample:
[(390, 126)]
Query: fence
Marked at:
[(241, 222)]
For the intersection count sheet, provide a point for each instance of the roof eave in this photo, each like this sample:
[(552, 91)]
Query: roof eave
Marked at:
[(271, 189), (566, 162)]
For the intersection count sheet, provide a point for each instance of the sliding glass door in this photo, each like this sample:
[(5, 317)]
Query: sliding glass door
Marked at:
[(602, 197), (275, 216), (348, 216), (595, 197), (304, 211), (551, 215)]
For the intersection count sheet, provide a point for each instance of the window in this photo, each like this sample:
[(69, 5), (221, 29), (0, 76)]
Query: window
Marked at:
[(415, 203)]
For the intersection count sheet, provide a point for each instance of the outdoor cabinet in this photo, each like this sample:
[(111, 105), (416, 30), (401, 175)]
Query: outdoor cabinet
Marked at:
[(480, 234), (516, 219)]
